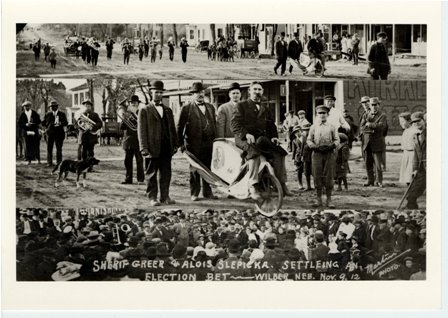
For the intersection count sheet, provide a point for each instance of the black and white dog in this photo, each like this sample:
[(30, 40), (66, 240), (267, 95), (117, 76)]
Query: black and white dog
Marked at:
[(78, 167)]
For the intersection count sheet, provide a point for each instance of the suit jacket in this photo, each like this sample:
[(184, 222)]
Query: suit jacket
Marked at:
[(378, 58), (150, 130), (333, 229), (48, 123), (223, 121), (130, 138), (295, 49), (35, 120), (90, 136), (419, 150), (374, 135), (189, 127), (320, 252), (281, 50), (246, 120)]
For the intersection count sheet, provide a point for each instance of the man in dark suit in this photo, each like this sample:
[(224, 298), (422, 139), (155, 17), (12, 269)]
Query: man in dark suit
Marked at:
[(281, 50), (29, 121), (89, 138), (379, 66), (158, 143), (251, 122), (374, 124), (418, 186), (295, 48), (196, 131), (54, 122), (131, 145)]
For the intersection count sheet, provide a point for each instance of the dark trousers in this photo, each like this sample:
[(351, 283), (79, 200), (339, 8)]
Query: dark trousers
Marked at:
[(324, 167), (373, 165), (184, 57), (94, 59), (355, 58), (126, 59), (59, 141), (417, 189), (32, 147), (171, 55), (88, 150), (128, 163), (380, 76), (53, 63), (205, 156), (109, 54), (282, 63), (162, 167)]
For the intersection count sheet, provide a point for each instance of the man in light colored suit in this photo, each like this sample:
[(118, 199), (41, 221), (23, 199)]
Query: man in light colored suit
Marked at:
[(224, 114), (158, 143)]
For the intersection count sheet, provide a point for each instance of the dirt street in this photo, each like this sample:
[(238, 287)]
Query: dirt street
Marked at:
[(197, 66), (35, 185)]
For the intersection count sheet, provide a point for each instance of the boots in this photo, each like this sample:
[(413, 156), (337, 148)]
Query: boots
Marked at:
[(286, 191), (308, 183), (329, 203), (318, 202)]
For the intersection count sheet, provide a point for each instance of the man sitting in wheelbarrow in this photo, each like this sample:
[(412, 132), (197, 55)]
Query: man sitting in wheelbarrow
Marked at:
[(256, 134)]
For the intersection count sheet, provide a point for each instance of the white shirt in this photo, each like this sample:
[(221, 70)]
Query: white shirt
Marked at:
[(56, 117), (28, 114), (202, 108), (337, 120), (347, 229), (159, 110)]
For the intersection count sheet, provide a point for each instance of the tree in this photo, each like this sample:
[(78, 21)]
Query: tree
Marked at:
[(274, 33), (175, 34), (161, 34), (114, 91), (213, 31)]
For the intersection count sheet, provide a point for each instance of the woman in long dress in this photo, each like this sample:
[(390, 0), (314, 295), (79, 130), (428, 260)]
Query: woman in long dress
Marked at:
[(407, 145)]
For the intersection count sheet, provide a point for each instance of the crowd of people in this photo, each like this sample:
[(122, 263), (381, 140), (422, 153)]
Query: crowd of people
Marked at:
[(85, 244), (320, 150)]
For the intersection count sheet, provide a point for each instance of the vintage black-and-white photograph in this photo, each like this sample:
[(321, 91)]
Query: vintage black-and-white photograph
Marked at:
[(242, 144), (101, 244), (224, 51)]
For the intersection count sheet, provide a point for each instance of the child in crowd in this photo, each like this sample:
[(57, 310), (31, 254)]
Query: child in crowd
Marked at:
[(52, 58), (301, 155), (342, 156)]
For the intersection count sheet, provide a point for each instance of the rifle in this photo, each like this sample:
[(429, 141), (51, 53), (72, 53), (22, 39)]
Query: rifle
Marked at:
[(143, 91)]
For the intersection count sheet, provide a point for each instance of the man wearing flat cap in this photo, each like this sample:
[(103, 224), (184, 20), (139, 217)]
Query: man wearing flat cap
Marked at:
[(374, 125), (158, 143), (131, 145), (54, 122), (225, 111), (418, 186), (29, 122), (254, 127), (196, 131), (335, 116), (378, 59), (89, 138), (323, 140)]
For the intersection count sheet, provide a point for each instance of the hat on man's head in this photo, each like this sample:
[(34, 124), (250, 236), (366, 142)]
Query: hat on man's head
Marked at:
[(296, 34), (196, 87), (374, 100), (306, 126), (322, 108), (296, 128), (282, 33), (301, 112), (53, 103), (364, 99), (26, 103), (331, 97), (234, 86), (417, 116), (381, 35), (135, 98), (157, 85), (87, 101)]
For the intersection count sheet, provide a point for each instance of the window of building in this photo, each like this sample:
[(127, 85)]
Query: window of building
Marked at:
[(76, 99), (419, 32), (81, 97), (220, 32), (191, 34), (87, 95)]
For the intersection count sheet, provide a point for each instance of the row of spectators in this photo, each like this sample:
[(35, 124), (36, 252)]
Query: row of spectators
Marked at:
[(67, 245)]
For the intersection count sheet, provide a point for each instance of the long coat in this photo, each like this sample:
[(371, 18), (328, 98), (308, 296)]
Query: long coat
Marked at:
[(374, 135), (378, 58), (189, 127), (150, 130), (91, 137), (246, 120), (281, 50), (419, 150), (35, 120), (223, 122), (130, 138)]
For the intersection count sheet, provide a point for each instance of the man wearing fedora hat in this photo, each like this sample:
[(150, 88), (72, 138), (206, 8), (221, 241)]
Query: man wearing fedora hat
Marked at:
[(379, 65), (158, 143), (54, 122), (224, 114), (89, 138), (323, 140), (196, 131), (256, 133), (373, 125), (418, 185), (29, 121), (132, 147)]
